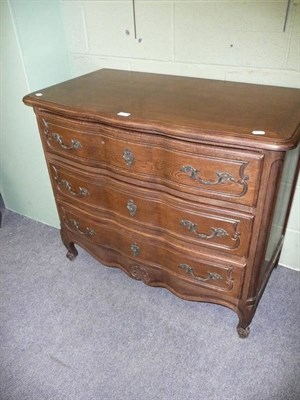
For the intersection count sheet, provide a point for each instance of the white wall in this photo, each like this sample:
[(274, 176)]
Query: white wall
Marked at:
[(33, 55), (231, 40)]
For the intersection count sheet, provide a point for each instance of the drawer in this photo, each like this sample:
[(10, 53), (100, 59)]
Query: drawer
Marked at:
[(139, 247), (199, 225), (181, 167)]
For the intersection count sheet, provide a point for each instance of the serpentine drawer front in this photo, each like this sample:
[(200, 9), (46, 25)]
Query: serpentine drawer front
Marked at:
[(144, 249), (179, 187), (228, 231), (190, 168)]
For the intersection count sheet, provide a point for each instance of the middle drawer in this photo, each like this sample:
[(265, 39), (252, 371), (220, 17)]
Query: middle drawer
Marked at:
[(201, 225)]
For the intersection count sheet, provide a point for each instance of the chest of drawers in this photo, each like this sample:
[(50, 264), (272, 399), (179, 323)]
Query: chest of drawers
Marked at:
[(180, 182)]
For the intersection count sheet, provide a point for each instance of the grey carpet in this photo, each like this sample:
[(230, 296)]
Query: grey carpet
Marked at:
[(80, 331)]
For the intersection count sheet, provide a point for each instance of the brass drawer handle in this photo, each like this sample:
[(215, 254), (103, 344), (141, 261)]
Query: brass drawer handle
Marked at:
[(82, 192), (132, 208), (128, 157), (211, 276), (222, 177), (73, 224), (75, 144), (216, 232), (136, 250)]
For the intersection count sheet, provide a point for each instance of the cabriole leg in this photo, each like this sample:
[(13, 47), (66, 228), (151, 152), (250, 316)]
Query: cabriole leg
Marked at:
[(245, 314), (72, 252)]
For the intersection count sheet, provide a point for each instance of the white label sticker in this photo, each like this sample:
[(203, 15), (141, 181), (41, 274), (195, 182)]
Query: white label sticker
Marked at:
[(123, 114), (258, 132)]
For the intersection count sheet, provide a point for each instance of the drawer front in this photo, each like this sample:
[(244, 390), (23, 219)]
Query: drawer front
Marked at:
[(199, 225), (141, 247), (182, 167)]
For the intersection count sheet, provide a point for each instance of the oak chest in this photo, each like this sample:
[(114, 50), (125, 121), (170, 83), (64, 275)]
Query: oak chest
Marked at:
[(181, 182)]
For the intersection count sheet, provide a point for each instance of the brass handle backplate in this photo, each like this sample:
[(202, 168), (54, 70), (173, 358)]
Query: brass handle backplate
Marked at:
[(128, 157), (136, 250), (131, 207)]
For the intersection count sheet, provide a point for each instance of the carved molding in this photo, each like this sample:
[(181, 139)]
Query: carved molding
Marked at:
[(139, 273), (251, 302)]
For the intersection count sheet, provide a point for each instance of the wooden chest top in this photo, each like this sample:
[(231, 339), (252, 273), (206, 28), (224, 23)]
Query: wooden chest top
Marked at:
[(192, 109)]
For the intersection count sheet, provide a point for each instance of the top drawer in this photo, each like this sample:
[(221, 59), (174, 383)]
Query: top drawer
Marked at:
[(184, 167)]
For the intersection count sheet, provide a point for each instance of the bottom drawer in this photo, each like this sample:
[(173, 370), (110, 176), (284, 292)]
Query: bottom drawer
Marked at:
[(140, 247)]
